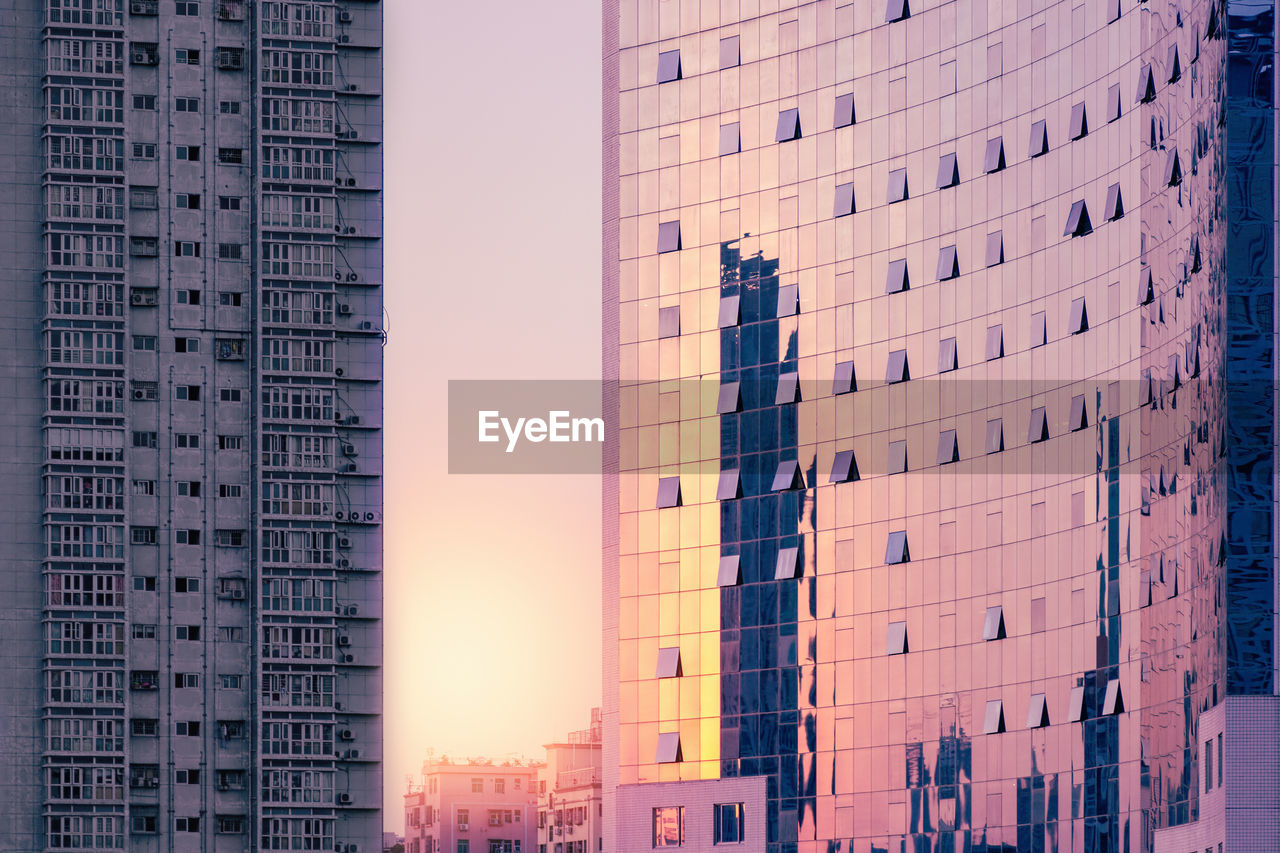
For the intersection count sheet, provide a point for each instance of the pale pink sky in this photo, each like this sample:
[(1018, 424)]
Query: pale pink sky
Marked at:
[(493, 259)]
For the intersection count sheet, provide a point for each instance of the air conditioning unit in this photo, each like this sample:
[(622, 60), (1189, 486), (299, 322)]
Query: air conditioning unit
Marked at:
[(352, 754), (463, 827), (344, 799), (353, 134), (349, 450), (344, 563), (348, 658), (353, 848), (353, 609), (139, 394), (346, 734), (344, 39), (237, 594), (351, 182), (350, 468), (153, 782), (374, 517), (352, 87), (340, 515), (344, 640), (337, 276), (353, 276), (354, 420), (344, 17), (344, 309), (224, 786), (136, 299), (338, 371), (366, 325), (337, 706), (344, 542)]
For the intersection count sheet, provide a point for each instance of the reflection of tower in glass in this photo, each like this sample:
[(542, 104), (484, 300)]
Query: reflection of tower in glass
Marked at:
[(951, 526)]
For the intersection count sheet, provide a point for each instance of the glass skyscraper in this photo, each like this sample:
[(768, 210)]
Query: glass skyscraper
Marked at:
[(190, 436), (939, 495)]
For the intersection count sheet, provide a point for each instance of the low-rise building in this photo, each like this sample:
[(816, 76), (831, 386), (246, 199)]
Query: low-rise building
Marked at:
[(472, 806), (570, 807)]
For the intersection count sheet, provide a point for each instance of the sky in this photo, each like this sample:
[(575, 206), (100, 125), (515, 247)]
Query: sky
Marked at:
[(492, 205)]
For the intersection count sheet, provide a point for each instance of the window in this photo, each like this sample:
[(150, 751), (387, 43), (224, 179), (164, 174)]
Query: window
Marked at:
[(897, 549), (229, 299), (231, 634), (898, 186), (144, 584), (186, 56), (897, 457), (993, 157), (1039, 139), (229, 107), (143, 198), (669, 663), (187, 201), (844, 467), (187, 537), (896, 641), (844, 113), (844, 205), (1219, 768), (1079, 126), (669, 66), (948, 263), (187, 105), (948, 171), (230, 442), (144, 151), (730, 52), (947, 358), (788, 125), (668, 492), (190, 153), (230, 824), (898, 369), (668, 750), (187, 632), (993, 721), (229, 251), (142, 536), (993, 624), (186, 584), (728, 823), (144, 102), (230, 156), (788, 564), (186, 441), (144, 632), (845, 379), (230, 682), (1078, 220), (464, 846), (477, 787), (186, 249), (896, 10), (189, 488), (187, 297), (142, 823), (1208, 765), (186, 344), (1039, 428), (995, 343), (186, 777), (186, 392), (730, 571), (229, 395), (187, 8), (228, 202), (230, 538), (144, 343), (669, 236), (948, 447), (668, 826)]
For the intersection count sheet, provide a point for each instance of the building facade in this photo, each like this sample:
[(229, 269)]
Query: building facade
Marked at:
[(570, 801), (939, 357), (192, 447), (472, 807)]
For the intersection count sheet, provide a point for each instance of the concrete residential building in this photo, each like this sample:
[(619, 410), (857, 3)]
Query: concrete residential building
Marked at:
[(939, 500), (190, 443), (472, 807), (571, 807)]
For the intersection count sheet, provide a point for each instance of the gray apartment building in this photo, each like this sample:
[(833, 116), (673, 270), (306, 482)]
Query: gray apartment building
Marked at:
[(190, 428)]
